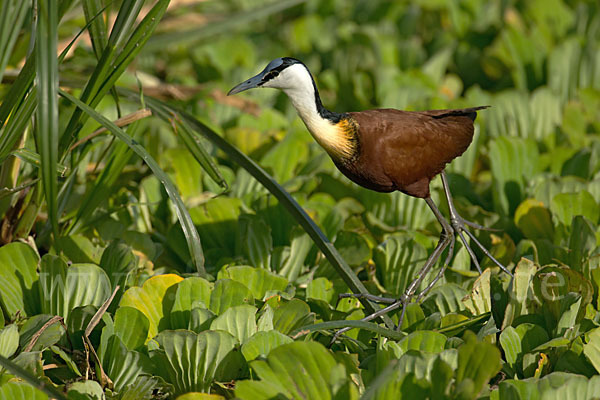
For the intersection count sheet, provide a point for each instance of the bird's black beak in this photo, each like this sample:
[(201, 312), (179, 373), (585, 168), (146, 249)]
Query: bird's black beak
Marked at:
[(251, 83)]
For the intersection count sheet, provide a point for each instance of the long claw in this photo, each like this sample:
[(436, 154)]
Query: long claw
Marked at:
[(460, 231), (480, 227), (488, 254), (458, 224)]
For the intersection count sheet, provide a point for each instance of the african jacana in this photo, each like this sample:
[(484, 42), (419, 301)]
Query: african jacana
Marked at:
[(384, 150)]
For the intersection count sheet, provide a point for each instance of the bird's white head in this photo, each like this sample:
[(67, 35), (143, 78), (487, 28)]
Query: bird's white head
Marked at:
[(294, 78), (286, 73)]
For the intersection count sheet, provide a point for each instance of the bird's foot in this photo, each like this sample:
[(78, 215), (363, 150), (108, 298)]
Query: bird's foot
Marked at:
[(459, 224), (446, 239)]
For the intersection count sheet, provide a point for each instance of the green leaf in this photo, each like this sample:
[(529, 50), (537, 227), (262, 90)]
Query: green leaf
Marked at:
[(185, 173), (353, 248), (64, 288), (198, 150), (283, 158), (254, 240), (78, 249), (513, 160), (559, 289), (259, 281), (118, 261), (152, 299), (582, 242), (191, 292), (478, 362), (9, 340), (520, 291), (47, 110), (568, 205), (398, 259), (321, 289), (34, 388), (240, 321), (192, 362), (123, 45), (85, 390), (22, 391), (426, 341), (228, 293), (51, 335), (292, 315), (575, 387), (534, 220), (217, 219), (592, 348), (516, 342), (141, 388), (446, 299), (298, 370), (299, 247), (19, 279), (123, 366), (261, 343), (131, 326), (479, 300)]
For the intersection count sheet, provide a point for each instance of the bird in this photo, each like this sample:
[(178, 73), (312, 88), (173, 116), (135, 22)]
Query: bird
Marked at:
[(385, 150)]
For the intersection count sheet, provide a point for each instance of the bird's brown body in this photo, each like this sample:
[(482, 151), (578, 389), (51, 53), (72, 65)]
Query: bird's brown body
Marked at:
[(405, 150)]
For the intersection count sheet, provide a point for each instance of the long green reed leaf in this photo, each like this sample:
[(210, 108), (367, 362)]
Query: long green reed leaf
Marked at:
[(15, 126), (47, 110), (113, 63), (189, 230), (195, 147), (319, 238), (12, 14), (103, 186), (97, 28)]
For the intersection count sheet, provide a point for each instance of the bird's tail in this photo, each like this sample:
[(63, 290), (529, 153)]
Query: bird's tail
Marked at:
[(462, 112)]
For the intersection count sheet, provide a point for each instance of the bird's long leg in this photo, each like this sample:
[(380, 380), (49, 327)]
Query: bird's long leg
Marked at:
[(458, 224), (446, 238)]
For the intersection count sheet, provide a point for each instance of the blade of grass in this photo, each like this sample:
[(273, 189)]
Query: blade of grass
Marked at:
[(104, 185), (97, 28), (330, 252), (31, 379), (12, 14), (226, 25), (98, 35), (189, 230), (18, 89), (34, 159), (195, 147), (15, 127), (47, 110), (113, 63), (23, 83)]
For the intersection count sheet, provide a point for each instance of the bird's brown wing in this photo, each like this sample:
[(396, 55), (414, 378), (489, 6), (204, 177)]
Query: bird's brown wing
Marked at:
[(410, 148)]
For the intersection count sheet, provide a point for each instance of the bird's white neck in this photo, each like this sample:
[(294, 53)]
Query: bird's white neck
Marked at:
[(298, 85)]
